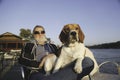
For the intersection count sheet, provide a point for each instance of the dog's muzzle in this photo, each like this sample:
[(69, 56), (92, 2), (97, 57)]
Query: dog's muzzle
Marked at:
[(73, 37), (73, 33)]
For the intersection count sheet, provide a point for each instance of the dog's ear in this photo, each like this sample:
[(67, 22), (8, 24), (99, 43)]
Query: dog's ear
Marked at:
[(63, 36), (81, 35)]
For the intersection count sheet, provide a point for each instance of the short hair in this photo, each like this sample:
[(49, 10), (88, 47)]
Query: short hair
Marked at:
[(38, 26)]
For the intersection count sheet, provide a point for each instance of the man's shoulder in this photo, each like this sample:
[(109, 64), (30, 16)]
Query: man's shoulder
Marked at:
[(29, 45)]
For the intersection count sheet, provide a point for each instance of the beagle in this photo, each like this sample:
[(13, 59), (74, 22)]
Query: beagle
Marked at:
[(73, 48)]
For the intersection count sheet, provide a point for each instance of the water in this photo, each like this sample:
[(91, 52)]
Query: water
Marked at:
[(112, 55), (107, 54)]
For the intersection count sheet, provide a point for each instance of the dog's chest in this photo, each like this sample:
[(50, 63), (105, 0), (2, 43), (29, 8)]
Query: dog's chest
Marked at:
[(71, 52)]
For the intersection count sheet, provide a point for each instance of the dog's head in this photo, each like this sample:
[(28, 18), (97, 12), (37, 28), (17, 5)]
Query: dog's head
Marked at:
[(71, 33)]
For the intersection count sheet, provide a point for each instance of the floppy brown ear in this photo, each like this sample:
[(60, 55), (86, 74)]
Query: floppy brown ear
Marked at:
[(63, 36), (81, 35)]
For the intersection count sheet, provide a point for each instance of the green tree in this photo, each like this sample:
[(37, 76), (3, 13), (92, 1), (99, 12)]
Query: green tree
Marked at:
[(25, 33)]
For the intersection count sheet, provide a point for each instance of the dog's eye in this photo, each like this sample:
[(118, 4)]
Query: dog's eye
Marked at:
[(67, 29), (76, 28)]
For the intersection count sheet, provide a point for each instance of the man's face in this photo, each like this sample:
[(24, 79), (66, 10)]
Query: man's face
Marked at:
[(39, 35)]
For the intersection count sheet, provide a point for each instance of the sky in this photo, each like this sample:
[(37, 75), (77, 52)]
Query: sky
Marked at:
[(99, 19)]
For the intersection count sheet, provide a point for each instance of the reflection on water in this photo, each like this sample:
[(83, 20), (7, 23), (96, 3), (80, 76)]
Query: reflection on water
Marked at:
[(107, 54)]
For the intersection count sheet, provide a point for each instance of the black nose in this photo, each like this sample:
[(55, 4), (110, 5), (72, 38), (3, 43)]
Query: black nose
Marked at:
[(73, 33)]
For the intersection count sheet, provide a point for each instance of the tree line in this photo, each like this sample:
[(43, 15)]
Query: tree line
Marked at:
[(112, 45)]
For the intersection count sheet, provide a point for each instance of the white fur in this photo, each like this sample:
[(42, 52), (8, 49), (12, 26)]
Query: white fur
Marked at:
[(48, 62), (69, 54)]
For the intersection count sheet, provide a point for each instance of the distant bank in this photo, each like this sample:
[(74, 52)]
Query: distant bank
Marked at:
[(112, 45)]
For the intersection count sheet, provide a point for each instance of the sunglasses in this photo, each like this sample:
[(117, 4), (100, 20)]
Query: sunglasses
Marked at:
[(39, 32)]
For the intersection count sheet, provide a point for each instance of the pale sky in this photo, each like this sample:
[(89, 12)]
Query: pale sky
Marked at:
[(99, 19)]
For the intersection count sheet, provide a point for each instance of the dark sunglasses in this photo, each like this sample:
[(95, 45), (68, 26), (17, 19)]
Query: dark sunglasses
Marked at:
[(39, 32)]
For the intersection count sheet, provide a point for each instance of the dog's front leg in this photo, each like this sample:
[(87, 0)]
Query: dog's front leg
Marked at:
[(78, 65), (58, 65)]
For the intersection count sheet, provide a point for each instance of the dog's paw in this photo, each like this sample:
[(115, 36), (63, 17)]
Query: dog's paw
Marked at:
[(78, 69), (54, 71), (47, 73), (40, 67)]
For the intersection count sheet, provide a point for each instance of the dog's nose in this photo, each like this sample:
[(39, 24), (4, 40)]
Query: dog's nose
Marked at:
[(73, 33)]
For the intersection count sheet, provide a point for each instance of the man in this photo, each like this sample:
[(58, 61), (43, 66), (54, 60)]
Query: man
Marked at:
[(34, 51)]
